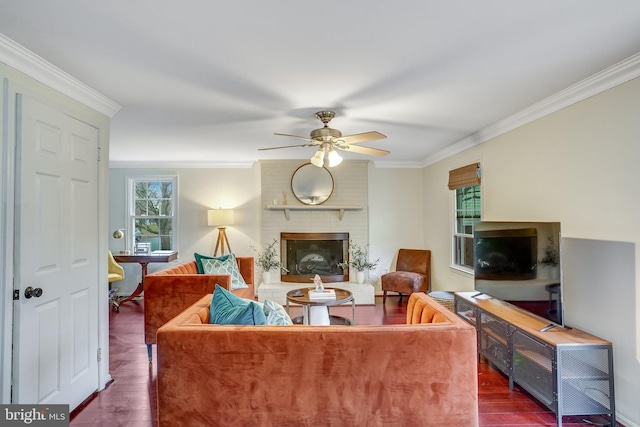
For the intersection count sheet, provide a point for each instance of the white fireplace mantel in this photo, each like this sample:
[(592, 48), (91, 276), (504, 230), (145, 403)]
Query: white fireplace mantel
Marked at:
[(288, 208)]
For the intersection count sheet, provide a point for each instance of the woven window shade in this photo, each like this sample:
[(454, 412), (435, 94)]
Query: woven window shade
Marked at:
[(465, 176)]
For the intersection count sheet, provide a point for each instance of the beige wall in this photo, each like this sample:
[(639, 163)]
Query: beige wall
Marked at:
[(576, 166), (396, 215), (199, 190)]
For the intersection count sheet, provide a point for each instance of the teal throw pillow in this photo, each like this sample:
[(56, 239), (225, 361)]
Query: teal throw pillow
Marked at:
[(229, 309), (276, 314), (199, 259), (228, 266)]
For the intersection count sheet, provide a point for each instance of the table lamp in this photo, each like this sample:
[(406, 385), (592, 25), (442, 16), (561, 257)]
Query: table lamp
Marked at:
[(221, 218), (120, 234)]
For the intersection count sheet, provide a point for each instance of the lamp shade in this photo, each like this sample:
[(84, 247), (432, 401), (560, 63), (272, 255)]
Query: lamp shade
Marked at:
[(220, 217), (318, 158), (334, 159)]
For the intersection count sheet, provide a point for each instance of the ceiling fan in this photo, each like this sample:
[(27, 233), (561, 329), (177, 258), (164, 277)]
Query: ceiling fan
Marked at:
[(328, 139)]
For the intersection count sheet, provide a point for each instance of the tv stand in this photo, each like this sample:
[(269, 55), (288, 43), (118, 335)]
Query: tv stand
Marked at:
[(566, 369)]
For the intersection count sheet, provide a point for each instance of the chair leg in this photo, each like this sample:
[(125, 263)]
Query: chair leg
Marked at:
[(149, 353), (384, 297), (400, 300)]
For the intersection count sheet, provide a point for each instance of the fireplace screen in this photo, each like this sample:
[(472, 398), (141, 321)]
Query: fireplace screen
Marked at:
[(308, 254)]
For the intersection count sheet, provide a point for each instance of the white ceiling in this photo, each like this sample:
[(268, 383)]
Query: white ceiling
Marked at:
[(208, 82)]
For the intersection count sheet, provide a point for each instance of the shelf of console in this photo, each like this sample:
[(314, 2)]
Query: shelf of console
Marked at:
[(286, 209)]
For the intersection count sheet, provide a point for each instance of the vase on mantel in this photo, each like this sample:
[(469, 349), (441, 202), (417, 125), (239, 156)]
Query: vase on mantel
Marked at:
[(266, 277), (359, 277)]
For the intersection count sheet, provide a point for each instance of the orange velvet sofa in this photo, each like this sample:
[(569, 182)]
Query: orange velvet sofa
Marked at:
[(170, 291), (423, 373)]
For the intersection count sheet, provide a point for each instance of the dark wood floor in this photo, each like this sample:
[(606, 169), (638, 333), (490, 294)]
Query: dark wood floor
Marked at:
[(131, 398)]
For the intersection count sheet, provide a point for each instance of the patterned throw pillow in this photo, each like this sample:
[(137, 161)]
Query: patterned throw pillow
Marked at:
[(227, 266), (276, 314), (229, 309), (199, 259)]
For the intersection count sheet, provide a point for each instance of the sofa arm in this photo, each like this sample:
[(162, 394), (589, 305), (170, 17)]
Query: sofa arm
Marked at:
[(166, 296), (247, 269)]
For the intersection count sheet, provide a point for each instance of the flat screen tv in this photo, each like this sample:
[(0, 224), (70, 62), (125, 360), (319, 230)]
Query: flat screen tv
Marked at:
[(519, 262)]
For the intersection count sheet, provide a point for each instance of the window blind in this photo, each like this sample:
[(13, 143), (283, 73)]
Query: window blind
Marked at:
[(465, 176)]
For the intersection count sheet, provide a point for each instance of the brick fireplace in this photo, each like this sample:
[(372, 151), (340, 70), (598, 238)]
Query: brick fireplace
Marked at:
[(350, 189)]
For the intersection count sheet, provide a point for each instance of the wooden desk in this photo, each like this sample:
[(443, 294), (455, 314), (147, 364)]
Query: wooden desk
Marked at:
[(144, 260)]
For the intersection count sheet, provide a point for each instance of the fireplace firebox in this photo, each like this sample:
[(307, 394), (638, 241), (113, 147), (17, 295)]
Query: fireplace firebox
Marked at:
[(306, 254)]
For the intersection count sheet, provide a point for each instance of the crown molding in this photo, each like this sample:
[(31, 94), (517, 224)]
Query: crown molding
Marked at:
[(383, 164), (178, 165), (606, 79), (34, 66)]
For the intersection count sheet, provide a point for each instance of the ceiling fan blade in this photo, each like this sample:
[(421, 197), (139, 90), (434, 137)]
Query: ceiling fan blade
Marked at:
[(362, 137), (286, 146), (299, 137), (362, 150)]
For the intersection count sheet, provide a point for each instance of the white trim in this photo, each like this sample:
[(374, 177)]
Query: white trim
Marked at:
[(462, 270), (381, 164), (27, 62), (178, 165), (7, 156), (130, 208), (606, 79)]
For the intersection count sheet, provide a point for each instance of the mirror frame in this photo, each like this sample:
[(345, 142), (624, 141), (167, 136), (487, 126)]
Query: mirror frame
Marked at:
[(301, 173)]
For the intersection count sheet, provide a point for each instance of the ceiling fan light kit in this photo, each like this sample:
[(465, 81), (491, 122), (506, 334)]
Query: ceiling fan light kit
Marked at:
[(318, 158), (327, 140), (333, 158), (326, 152)]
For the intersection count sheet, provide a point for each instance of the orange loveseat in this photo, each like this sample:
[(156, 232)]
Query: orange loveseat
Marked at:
[(170, 291), (402, 375)]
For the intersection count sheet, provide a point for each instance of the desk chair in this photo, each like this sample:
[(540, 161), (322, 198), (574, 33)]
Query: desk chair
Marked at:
[(116, 273)]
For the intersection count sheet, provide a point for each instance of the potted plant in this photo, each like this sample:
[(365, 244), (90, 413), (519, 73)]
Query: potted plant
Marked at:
[(551, 257), (268, 260), (359, 260)]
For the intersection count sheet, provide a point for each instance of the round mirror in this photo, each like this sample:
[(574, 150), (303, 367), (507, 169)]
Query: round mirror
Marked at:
[(312, 185)]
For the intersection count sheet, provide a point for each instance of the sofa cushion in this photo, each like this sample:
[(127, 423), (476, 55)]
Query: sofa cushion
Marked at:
[(227, 266), (276, 314), (228, 309), (200, 257)]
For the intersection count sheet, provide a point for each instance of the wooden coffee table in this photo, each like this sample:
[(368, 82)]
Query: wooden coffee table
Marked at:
[(301, 296)]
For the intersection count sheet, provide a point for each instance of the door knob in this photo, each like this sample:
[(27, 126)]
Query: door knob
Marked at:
[(31, 292)]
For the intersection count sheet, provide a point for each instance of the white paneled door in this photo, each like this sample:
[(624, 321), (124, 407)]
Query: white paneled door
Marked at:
[(56, 257)]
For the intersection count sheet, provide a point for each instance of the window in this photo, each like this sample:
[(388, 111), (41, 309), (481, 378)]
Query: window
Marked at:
[(152, 212), (465, 181), (467, 213)]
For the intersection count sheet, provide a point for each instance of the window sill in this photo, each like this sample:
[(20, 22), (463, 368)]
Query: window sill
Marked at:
[(464, 271)]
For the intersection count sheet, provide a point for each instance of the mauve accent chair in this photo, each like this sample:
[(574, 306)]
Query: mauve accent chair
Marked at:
[(413, 273)]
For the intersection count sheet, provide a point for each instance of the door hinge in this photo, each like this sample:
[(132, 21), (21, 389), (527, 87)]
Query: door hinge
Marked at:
[(99, 354), (99, 148), (16, 294)]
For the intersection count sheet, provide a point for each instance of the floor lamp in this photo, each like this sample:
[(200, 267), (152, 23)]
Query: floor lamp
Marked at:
[(221, 218)]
